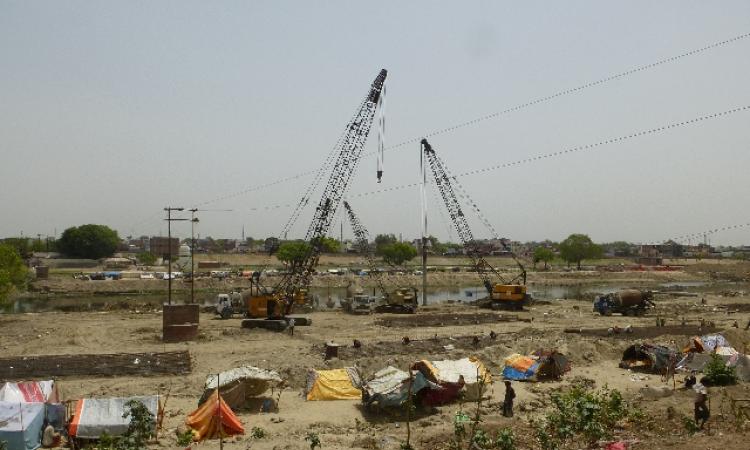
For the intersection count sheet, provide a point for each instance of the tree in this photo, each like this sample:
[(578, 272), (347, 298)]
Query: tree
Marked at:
[(398, 253), (382, 240), (146, 258), (578, 247), (89, 241), (620, 248), (293, 253), (543, 254), (21, 244), (12, 271), (329, 245)]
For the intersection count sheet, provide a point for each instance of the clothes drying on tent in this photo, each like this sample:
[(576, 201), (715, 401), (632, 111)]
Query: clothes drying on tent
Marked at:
[(21, 425), (648, 357), (465, 376), (30, 392), (336, 384), (213, 419), (389, 388), (542, 365), (240, 384), (96, 416)]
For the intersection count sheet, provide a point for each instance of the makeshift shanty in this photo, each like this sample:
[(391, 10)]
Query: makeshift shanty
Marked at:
[(21, 424), (707, 343), (389, 388), (541, 365), (453, 377), (214, 418), (30, 392), (96, 416), (337, 384), (43, 392), (238, 385), (648, 357)]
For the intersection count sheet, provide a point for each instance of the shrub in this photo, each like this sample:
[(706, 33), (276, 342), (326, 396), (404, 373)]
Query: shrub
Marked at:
[(717, 373), (583, 414)]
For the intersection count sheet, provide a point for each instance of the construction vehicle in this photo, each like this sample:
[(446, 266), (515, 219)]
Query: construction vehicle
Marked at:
[(628, 302), (271, 308), (400, 301), (502, 294)]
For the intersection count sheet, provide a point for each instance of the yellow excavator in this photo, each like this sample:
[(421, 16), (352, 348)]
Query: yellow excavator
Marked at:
[(502, 293)]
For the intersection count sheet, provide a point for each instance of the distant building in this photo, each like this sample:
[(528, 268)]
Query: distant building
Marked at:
[(162, 247)]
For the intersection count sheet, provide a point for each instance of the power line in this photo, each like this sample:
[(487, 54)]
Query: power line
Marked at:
[(504, 112), (531, 159), (573, 149), (700, 234)]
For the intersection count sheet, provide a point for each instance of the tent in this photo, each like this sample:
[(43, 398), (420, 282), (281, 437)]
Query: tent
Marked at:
[(95, 416), (238, 385), (542, 365), (42, 392), (30, 392), (648, 357), (389, 388), (464, 375), (337, 384), (707, 343), (21, 425), (214, 418)]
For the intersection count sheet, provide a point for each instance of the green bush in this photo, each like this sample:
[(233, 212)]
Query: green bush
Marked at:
[(717, 373), (258, 433), (582, 414), (505, 440)]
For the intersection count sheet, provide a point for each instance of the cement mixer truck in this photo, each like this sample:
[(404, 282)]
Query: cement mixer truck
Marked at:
[(629, 302)]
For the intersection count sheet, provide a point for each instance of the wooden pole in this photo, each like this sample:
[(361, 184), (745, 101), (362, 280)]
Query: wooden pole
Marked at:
[(218, 406)]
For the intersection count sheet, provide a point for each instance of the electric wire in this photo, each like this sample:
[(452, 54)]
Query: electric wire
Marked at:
[(518, 107)]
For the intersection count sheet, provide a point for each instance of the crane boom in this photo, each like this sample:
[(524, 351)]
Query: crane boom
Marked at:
[(460, 222), (363, 242), (349, 149)]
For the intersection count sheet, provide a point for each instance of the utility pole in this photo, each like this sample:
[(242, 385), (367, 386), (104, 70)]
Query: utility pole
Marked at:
[(422, 182), (169, 210), (193, 221)]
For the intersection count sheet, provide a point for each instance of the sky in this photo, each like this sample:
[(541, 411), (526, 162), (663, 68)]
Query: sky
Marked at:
[(111, 111)]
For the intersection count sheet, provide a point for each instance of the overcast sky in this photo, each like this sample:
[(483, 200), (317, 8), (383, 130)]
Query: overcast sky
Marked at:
[(110, 111)]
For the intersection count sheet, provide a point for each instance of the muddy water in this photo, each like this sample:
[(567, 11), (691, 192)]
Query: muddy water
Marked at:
[(43, 303)]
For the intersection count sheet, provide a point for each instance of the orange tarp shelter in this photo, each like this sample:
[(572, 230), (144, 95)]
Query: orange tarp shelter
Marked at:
[(212, 419)]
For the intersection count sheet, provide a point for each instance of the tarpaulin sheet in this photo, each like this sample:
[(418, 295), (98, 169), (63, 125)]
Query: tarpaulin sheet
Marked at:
[(95, 416), (337, 384), (21, 425), (706, 343), (29, 392), (239, 384), (389, 387), (214, 418), (453, 376)]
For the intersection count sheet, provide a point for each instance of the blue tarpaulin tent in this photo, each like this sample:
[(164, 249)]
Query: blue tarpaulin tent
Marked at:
[(21, 425)]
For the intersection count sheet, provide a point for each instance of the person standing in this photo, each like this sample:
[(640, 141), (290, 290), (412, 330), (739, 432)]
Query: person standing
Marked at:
[(510, 394), (701, 407)]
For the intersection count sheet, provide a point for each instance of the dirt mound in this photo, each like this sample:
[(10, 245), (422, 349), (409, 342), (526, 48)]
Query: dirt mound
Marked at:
[(639, 333), (444, 319)]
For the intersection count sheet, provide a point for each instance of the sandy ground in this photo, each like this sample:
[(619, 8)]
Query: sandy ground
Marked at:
[(342, 424)]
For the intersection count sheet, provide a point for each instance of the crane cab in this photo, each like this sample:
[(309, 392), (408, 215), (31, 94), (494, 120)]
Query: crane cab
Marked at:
[(509, 296)]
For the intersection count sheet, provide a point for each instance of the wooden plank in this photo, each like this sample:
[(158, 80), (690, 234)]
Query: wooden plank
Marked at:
[(116, 364)]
